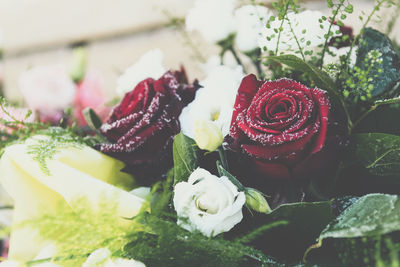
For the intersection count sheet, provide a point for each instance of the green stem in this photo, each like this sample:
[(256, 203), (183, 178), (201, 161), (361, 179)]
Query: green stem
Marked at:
[(376, 8), (295, 38), (280, 29), (329, 31), (222, 156)]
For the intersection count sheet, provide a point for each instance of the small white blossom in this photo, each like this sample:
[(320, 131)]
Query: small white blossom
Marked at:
[(150, 65), (47, 89), (212, 18), (306, 27), (250, 21), (214, 102), (207, 203)]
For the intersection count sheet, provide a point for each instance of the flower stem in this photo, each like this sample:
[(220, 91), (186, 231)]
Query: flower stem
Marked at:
[(222, 156), (336, 12)]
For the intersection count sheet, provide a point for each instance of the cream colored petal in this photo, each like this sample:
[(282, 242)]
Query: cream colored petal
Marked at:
[(74, 173)]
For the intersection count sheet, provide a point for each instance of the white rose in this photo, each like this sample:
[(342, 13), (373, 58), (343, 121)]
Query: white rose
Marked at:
[(47, 89), (214, 102), (250, 21), (102, 258), (150, 65), (212, 18), (208, 204), (306, 20), (72, 171)]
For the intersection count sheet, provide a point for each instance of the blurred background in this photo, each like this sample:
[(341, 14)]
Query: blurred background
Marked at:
[(116, 33)]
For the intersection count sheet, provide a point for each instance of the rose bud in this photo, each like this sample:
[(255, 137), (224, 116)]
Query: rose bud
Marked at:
[(286, 129), (207, 135), (142, 127)]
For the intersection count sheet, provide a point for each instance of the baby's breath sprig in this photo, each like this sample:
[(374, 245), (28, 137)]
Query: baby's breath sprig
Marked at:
[(360, 82), (356, 39), (340, 8)]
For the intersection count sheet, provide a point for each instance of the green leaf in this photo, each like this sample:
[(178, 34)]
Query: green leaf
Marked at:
[(321, 78), (223, 172), (377, 152), (380, 121), (92, 119), (365, 233), (370, 215), (385, 81), (185, 154), (305, 221)]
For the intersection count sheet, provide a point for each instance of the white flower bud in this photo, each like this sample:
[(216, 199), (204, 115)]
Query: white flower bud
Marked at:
[(207, 135)]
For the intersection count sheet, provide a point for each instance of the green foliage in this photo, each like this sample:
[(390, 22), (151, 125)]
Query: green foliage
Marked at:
[(365, 234), (297, 227), (14, 130), (185, 154), (153, 238), (377, 68), (79, 231), (166, 244), (45, 149), (92, 119), (378, 153)]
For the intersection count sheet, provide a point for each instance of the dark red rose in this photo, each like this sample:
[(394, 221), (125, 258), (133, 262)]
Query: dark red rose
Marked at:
[(142, 127), (284, 127)]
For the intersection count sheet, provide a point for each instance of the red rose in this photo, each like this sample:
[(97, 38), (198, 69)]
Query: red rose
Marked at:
[(142, 127), (283, 126)]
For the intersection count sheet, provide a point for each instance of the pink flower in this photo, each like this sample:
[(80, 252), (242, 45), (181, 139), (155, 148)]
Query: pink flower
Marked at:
[(90, 94), (47, 90)]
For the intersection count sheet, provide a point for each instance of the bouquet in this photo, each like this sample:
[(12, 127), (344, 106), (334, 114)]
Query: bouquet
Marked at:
[(285, 154)]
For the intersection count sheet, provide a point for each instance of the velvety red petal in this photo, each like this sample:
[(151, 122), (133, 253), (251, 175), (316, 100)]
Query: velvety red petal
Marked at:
[(321, 98), (246, 92), (273, 170)]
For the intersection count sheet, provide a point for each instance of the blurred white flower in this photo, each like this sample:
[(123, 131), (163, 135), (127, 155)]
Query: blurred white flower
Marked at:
[(47, 89), (102, 258), (150, 65), (306, 27), (343, 51), (212, 18), (214, 102), (250, 21), (207, 203), (11, 263)]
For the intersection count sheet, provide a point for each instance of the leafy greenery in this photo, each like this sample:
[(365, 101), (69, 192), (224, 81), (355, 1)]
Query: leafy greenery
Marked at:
[(185, 153), (378, 153), (54, 138), (386, 74), (366, 233), (14, 130)]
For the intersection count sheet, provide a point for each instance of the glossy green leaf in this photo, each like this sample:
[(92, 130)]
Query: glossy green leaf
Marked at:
[(185, 154), (377, 152), (390, 66)]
